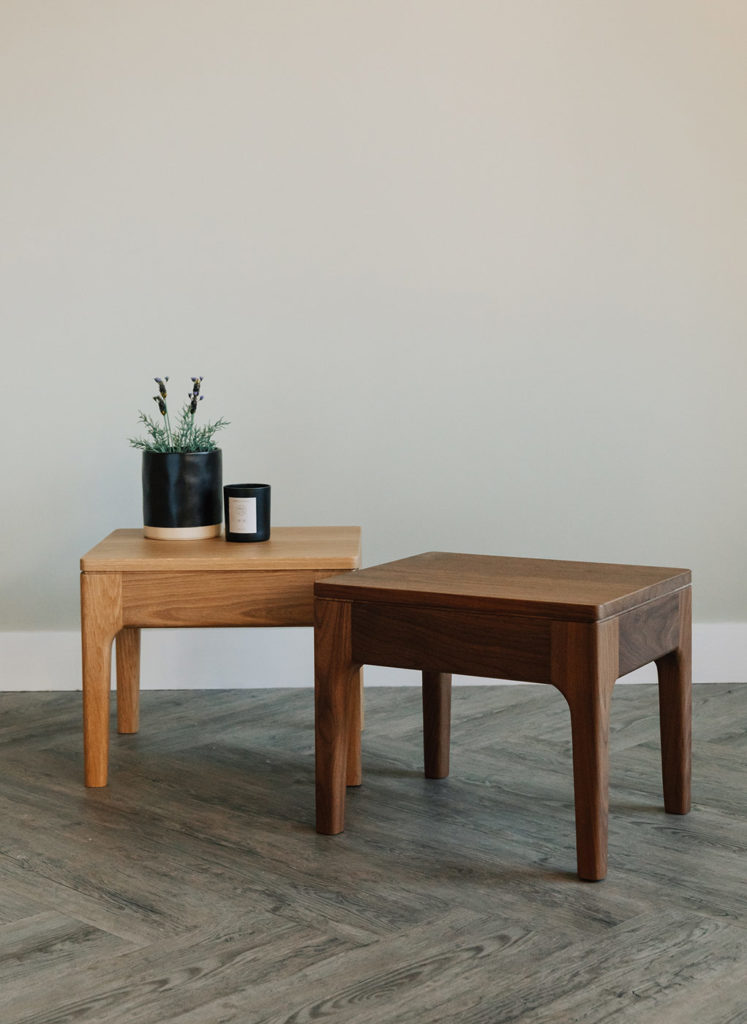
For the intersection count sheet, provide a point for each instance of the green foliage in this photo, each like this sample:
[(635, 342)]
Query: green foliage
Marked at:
[(186, 436)]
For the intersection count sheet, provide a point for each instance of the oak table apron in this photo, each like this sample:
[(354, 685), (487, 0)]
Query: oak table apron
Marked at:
[(128, 582)]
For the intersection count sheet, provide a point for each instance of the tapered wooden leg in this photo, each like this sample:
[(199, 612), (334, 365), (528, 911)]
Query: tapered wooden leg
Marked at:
[(101, 619), (585, 664), (590, 733), (127, 646), (336, 712), (436, 723), (675, 714)]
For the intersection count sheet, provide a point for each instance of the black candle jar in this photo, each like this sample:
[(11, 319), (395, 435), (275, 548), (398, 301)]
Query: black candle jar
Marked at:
[(247, 512)]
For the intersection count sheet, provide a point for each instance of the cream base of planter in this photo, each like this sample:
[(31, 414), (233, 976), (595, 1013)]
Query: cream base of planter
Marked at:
[(182, 532)]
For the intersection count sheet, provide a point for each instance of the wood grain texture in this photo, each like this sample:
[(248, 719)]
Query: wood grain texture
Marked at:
[(649, 631), (577, 591), (101, 620), (289, 547), (35, 947), (197, 892), (127, 645), (675, 713), (336, 713), (217, 598), (452, 640)]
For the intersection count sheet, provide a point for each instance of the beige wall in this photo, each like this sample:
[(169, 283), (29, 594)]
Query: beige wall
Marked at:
[(470, 274)]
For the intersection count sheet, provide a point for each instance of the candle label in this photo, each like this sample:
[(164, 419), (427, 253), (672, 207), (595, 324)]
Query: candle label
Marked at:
[(242, 515)]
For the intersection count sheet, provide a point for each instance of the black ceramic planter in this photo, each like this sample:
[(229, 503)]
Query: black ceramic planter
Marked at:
[(182, 495)]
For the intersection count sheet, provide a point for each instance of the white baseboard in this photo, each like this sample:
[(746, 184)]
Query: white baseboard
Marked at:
[(174, 659)]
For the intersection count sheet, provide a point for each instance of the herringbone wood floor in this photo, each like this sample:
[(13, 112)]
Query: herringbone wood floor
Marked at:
[(194, 889)]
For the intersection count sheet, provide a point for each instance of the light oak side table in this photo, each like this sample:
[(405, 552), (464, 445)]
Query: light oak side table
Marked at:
[(128, 583)]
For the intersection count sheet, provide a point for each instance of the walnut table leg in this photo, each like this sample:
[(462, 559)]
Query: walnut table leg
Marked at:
[(337, 713), (355, 720), (436, 723), (585, 664), (675, 714)]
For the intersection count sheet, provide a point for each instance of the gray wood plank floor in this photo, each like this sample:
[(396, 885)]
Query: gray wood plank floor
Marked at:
[(194, 890)]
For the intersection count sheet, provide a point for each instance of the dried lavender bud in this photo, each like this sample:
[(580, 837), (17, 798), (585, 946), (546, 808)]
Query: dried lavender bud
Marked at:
[(161, 382), (161, 403)]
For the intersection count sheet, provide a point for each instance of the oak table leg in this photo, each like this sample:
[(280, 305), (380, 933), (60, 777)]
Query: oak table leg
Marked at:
[(127, 645), (585, 664), (336, 713), (675, 714), (101, 619), (436, 723)]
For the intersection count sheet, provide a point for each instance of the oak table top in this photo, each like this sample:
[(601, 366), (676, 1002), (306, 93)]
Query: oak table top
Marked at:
[(289, 547), (546, 588)]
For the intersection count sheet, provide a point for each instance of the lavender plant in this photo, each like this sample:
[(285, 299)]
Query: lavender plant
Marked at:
[(186, 436)]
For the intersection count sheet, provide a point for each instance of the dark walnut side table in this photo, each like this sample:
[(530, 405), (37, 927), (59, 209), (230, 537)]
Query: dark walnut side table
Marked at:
[(575, 625), (128, 583)]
